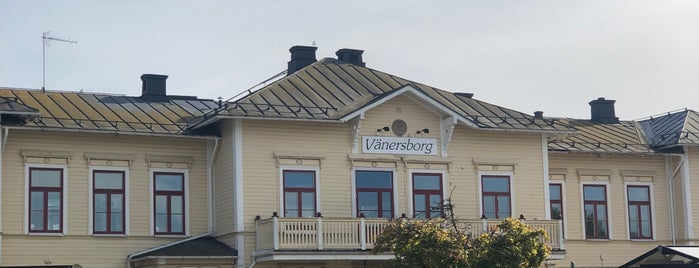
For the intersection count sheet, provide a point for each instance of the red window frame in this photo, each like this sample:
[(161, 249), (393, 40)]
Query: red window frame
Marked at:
[(639, 219), (45, 190), (109, 193), (299, 193), (497, 195), (379, 192), (428, 193), (169, 194), (595, 218), (558, 202)]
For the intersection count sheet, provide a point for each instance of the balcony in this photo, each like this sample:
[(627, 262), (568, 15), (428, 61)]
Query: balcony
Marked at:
[(333, 234)]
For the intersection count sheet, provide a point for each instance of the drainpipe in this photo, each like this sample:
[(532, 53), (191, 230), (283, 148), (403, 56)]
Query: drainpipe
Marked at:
[(211, 157), (671, 192)]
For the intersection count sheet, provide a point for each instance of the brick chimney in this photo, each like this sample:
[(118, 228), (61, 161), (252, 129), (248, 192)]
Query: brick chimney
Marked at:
[(602, 111), (301, 56)]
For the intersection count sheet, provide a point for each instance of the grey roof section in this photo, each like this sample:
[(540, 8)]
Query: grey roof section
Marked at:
[(666, 256), (592, 137), (205, 246), (329, 90), (672, 129), (9, 106)]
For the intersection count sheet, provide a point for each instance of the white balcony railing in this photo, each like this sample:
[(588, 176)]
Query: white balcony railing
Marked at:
[(359, 233)]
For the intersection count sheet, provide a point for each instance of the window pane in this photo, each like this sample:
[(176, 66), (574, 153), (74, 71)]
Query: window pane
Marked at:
[(37, 201), (177, 223), (638, 194), (117, 222), (100, 222), (176, 204), (161, 222), (420, 209), (601, 220), (436, 202), (291, 204), (593, 193), (427, 182), (299, 179), (633, 221), (109, 180), (117, 203), (503, 207), (386, 204), (100, 203), (368, 203), (54, 201), (645, 221), (168, 182), (160, 204), (374, 179), (308, 201), (489, 207), (555, 192), (556, 213), (37, 220), (589, 221), (54, 220), (45, 177), (496, 184)]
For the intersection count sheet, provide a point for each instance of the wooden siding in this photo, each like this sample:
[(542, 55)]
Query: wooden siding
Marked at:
[(514, 152), (77, 246), (618, 249), (223, 181)]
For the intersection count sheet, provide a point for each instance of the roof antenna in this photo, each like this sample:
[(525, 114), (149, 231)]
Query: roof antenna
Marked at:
[(46, 39)]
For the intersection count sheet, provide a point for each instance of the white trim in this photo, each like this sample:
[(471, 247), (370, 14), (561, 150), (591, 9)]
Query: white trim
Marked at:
[(479, 191), (609, 208), (652, 208), (417, 93), (545, 162), (151, 186), (410, 213), (394, 189), (64, 198), (239, 206), (687, 193), (90, 204), (316, 171)]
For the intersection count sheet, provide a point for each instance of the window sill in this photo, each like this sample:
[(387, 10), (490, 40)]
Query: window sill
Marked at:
[(171, 236), (45, 234), (642, 239), (598, 239), (110, 235)]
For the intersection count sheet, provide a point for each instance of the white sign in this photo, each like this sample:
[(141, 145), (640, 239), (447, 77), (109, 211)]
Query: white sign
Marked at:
[(398, 145)]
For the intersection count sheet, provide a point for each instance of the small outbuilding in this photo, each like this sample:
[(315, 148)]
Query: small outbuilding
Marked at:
[(667, 256)]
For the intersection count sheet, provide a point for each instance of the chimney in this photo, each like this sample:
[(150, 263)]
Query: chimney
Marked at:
[(538, 114), (153, 85), (301, 56), (352, 56), (602, 111)]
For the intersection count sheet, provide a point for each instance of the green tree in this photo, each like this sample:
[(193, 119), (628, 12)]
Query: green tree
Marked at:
[(441, 243)]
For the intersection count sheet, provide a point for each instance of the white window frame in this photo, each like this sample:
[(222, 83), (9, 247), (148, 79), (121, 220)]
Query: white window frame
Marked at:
[(394, 190), (151, 186), (563, 206), (282, 168), (91, 194), (652, 209), (409, 182), (511, 175), (609, 208), (64, 198)]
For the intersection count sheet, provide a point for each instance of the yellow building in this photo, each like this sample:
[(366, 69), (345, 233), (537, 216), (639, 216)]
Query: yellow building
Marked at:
[(304, 171)]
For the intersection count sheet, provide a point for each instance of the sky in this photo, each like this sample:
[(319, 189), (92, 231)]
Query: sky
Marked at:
[(552, 56)]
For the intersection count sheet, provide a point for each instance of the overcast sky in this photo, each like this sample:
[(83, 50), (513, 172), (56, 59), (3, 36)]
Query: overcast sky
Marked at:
[(554, 56)]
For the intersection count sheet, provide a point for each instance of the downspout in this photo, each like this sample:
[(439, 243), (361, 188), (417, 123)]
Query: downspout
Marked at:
[(671, 192), (687, 192), (210, 184)]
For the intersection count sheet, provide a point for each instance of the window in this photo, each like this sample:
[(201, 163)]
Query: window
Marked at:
[(496, 197), (374, 193), (46, 200), (640, 218), (299, 193), (595, 202), (427, 195), (169, 202), (556, 201), (108, 202)]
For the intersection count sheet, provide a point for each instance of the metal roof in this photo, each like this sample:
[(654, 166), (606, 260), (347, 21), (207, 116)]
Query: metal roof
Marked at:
[(593, 137), (667, 256), (197, 247), (8, 106), (104, 112), (329, 90), (672, 129)]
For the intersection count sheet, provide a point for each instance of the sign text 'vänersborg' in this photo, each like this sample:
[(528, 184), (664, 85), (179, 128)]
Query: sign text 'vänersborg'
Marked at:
[(398, 145)]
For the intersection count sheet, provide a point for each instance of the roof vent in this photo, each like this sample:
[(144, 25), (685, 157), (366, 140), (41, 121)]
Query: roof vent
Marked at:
[(301, 56), (153, 85), (538, 114), (602, 111), (352, 56)]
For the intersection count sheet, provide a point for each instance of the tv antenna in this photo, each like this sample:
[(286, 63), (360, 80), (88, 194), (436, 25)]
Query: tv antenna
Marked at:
[(46, 39)]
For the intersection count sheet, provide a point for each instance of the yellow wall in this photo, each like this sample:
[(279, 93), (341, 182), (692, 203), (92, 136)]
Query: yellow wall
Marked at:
[(77, 246), (619, 249)]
